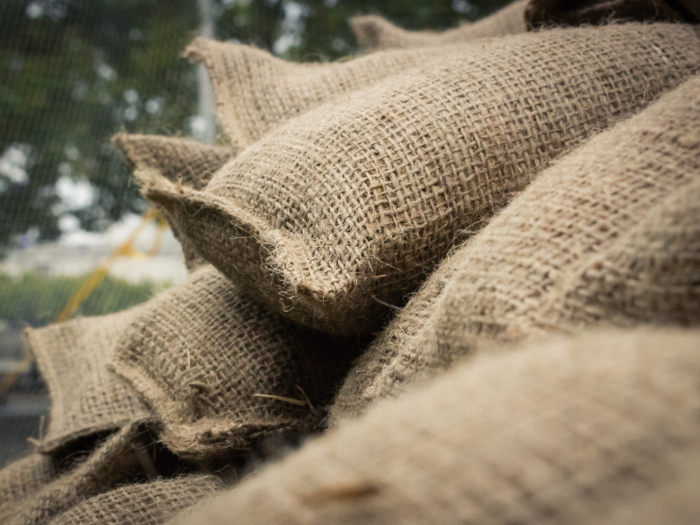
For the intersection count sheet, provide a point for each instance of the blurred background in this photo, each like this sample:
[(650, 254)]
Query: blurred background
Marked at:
[(73, 73)]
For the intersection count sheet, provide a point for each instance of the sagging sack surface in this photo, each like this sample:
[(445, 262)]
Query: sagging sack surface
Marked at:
[(222, 372), (348, 208)]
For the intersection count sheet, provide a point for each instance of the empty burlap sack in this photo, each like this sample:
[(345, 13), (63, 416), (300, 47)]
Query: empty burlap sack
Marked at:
[(543, 13), (22, 478), (201, 353), (183, 161), (349, 207), (375, 33), (115, 461), (610, 233), (86, 398), (141, 504), (562, 431)]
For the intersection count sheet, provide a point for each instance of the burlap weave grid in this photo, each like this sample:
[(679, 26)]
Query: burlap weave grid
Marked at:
[(351, 205)]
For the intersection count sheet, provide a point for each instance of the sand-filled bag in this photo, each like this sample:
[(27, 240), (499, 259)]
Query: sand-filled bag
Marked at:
[(143, 503), (86, 398), (560, 431), (608, 234), (348, 207), (180, 160), (223, 372), (545, 13), (116, 460), (257, 92), (24, 477), (376, 33)]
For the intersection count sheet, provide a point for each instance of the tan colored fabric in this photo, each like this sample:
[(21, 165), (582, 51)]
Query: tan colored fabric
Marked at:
[(201, 352), (182, 161), (178, 159), (141, 504), (611, 234), (544, 13), (257, 92), (350, 206), (562, 431), (113, 462), (608, 234), (22, 478), (86, 398), (376, 33)]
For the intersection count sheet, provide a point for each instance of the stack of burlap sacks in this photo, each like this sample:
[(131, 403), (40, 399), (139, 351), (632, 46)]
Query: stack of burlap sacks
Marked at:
[(522, 208)]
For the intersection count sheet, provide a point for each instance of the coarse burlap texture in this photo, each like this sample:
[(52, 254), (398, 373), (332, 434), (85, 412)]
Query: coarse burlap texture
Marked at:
[(180, 160), (142, 504), (562, 431), (544, 13), (86, 398), (113, 462), (376, 33), (349, 207), (608, 234), (201, 352), (22, 478), (257, 92)]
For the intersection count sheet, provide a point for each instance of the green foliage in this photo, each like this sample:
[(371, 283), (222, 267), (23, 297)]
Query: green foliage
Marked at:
[(37, 300)]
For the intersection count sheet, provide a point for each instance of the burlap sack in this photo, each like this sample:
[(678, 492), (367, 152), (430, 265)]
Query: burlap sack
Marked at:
[(543, 13), (113, 462), (201, 353), (182, 161), (611, 236), (141, 504), (86, 398), (563, 431), (22, 478), (610, 233), (349, 207), (257, 92), (375, 33)]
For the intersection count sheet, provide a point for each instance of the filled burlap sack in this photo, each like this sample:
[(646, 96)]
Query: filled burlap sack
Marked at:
[(347, 208), (201, 354), (180, 160), (116, 460), (86, 398), (257, 92), (376, 33), (560, 431), (545, 13), (22, 478), (608, 234), (143, 503)]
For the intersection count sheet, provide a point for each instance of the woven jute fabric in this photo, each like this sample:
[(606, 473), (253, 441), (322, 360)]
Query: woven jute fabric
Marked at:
[(543, 13), (608, 234), (561, 431), (201, 354), (113, 462), (22, 478), (350, 206), (86, 398), (257, 92), (180, 160), (141, 504), (376, 33)]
